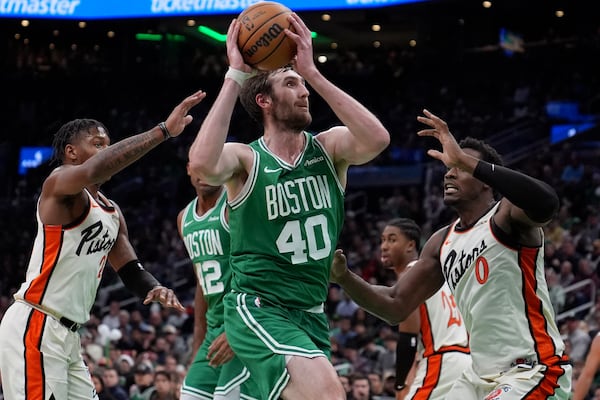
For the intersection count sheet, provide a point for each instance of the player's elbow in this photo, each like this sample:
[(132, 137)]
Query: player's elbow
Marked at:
[(380, 139), (546, 207), (203, 169)]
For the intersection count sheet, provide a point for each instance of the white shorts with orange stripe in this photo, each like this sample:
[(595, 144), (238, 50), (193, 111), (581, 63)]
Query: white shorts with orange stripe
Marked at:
[(436, 374), (535, 383), (40, 359)]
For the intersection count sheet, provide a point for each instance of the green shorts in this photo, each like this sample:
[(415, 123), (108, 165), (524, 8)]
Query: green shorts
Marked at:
[(203, 380), (264, 336)]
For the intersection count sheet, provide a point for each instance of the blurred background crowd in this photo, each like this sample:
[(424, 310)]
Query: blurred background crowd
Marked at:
[(513, 101)]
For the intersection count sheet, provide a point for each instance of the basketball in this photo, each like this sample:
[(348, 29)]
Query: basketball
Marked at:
[(261, 40)]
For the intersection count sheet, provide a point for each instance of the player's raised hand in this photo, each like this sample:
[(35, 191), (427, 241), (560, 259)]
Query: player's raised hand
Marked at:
[(234, 56), (304, 60), (179, 117), (451, 155)]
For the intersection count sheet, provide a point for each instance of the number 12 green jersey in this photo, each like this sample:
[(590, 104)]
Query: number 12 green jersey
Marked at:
[(206, 239)]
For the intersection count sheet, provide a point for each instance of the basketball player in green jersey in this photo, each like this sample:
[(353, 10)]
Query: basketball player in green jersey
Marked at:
[(286, 194), (215, 372)]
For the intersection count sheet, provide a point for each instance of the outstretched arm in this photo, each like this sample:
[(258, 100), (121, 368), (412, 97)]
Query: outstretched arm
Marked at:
[(363, 136), (393, 304), (531, 201), (70, 180), (209, 156)]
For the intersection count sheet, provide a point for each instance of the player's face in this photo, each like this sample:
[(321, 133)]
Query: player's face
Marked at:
[(88, 144), (290, 100), (460, 186), (395, 247)]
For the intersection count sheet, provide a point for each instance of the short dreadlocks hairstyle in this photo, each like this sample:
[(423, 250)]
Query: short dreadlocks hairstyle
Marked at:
[(67, 133)]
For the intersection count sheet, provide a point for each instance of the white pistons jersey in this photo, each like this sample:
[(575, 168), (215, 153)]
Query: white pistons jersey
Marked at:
[(442, 325), (443, 347), (67, 261), (501, 291)]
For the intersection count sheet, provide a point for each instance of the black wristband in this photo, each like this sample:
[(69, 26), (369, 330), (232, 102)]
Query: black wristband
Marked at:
[(406, 349), (137, 279), (536, 198), (165, 131)]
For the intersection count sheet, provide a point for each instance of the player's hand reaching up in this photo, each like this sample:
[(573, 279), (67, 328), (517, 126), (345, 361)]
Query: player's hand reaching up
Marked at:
[(234, 56), (164, 296), (339, 266), (304, 60), (179, 117), (451, 155)]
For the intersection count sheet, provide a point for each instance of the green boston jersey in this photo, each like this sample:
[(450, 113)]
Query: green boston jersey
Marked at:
[(206, 239), (285, 225)]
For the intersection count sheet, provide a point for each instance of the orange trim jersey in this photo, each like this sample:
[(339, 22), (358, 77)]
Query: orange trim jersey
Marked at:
[(501, 291), (442, 331), (442, 325), (67, 261)]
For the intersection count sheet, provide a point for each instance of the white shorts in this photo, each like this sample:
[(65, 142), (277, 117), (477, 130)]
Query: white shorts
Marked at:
[(40, 358), (436, 374), (538, 382)]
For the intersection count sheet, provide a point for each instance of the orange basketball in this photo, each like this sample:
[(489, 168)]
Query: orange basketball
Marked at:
[(262, 41)]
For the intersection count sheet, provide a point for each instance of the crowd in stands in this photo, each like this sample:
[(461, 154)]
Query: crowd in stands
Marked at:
[(133, 350)]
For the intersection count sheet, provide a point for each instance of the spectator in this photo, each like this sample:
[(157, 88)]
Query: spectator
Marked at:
[(101, 391), (344, 331), (112, 318), (112, 384), (346, 307), (579, 339), (346, 384), (361, 387), (389, 385), (376, 382), (164, 388), (387, 359), (144, 382)]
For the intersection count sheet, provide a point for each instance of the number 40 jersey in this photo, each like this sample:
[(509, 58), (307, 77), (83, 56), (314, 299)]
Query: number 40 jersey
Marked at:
[(285, 224)]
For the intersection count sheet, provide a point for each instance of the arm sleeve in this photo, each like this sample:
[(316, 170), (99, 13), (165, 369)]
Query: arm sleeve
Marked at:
[(536, 198), (137, 279), (406, 349)]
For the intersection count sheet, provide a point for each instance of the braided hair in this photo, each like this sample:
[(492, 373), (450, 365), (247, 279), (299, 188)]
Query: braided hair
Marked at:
[(409, 228), (67, 134)]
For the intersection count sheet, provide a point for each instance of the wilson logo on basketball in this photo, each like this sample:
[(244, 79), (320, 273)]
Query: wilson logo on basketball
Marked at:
[(265, 40)]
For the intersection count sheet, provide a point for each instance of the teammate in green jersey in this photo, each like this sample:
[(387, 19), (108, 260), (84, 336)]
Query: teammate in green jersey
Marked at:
[(286, 197), (215, 372)]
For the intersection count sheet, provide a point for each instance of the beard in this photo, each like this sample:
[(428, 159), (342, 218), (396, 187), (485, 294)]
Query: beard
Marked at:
[(299, 122), (291, 117)]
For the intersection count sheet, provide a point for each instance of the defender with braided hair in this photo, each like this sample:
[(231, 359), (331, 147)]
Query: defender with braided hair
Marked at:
[(79, 231)]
